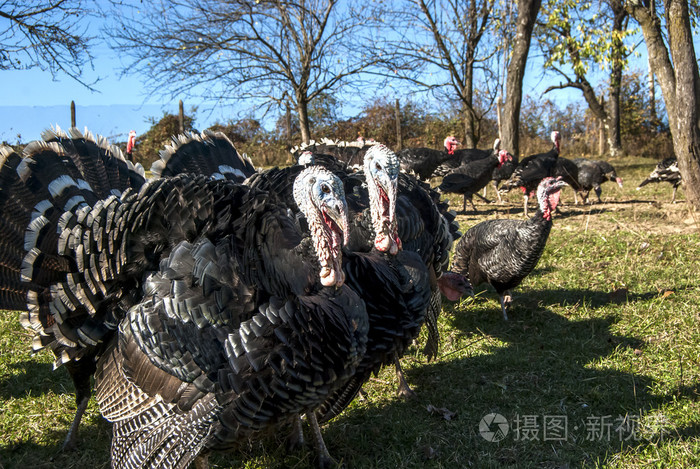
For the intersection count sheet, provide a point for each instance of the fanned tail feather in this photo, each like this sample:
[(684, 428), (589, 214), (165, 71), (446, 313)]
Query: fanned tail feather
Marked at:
[(51, 233), (209, 154)]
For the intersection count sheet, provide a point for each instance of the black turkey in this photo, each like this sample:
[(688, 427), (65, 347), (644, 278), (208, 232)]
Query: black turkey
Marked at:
[(532, 169), (502, 173), (593, 173), (472, 176), (67, 290), (396, 288), (236, 337), (665, 171), (78, 258), (503, 252), (424, 161), (466, 155), (424, 234), (567, 171), (424, 226)]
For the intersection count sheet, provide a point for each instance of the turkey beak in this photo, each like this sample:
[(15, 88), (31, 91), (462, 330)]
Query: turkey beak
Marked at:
[(619, 182), (389, 185), (337, 210)]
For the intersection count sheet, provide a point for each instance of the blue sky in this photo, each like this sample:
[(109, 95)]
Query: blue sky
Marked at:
[(33, 100)]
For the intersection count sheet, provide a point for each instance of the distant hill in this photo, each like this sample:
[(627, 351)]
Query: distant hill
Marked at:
[(22, 124)]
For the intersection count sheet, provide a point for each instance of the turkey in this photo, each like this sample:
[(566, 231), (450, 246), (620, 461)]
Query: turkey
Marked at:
[(425, 225), (205, 281), (349, 153), (502, 173), (593, 173), (421, 228), (532, 169), (466, 155), (130, 144), (472, 176), (567, 170), (238, 334), (424, 161), (503, 252), (396, 311), (666, 170), (67, 291)]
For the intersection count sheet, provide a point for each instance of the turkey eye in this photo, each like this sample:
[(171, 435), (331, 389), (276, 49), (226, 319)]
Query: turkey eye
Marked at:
[(325, 189)]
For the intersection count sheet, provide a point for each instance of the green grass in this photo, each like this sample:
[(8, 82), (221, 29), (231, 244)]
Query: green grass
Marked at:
[(606, 327)]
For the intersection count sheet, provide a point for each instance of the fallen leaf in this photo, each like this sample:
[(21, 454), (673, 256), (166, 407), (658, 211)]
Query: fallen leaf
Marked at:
[(447, 414), (667, 293), (637, 352), (428, 452)]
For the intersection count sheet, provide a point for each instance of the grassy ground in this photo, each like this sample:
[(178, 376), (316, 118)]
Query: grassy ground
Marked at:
[(601, 352)]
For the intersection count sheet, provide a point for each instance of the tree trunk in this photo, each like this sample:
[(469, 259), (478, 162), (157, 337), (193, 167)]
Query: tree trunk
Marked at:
[(527, 14), (652, 97), (399, 139), (652, 84), (470, 133), (678, 85), (303, 111), (613, 111)]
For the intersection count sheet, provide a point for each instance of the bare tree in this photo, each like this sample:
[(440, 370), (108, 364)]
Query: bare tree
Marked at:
[(273, 52), (447, 37), (48, 35), (577, 36), (674, 62), (510, 118)]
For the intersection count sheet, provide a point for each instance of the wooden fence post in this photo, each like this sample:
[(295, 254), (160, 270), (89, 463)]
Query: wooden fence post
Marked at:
[(399, 140), (181, 115), (72, 113)]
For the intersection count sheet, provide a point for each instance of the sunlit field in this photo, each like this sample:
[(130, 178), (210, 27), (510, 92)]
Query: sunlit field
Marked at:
[(597, 365)]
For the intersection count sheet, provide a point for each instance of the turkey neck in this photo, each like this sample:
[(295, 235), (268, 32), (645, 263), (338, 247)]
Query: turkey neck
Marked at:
[(532, 238)]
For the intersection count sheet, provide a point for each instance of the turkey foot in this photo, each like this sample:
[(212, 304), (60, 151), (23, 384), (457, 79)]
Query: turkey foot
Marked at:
[(296, 439), (72, 437), (325, 461), (403, 390), (506, 300)]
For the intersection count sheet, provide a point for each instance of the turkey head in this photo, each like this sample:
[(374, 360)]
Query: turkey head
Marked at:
[(548, 193), (381, 168), (451, 144), (321, 198)]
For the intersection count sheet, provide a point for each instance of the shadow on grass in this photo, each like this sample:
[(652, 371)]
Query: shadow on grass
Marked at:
[(93, 446), (35, 378), (538, 365), (557, 296)]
